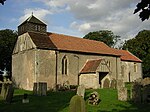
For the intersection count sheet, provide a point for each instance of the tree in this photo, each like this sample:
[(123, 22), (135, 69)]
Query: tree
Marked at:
[(105, 36), (140, 47), (144, 8), (7, 42), (2, 1)]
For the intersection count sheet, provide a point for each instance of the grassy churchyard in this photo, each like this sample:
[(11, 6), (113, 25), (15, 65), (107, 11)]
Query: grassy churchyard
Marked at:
[(59, 102)]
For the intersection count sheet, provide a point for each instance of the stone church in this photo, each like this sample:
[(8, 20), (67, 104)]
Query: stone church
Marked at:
[(56, 59)]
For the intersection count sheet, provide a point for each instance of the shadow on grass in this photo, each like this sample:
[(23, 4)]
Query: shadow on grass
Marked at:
[(132, 107), (53, 102)]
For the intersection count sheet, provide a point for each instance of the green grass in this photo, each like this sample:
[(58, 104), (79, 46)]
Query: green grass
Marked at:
[(59, 102)]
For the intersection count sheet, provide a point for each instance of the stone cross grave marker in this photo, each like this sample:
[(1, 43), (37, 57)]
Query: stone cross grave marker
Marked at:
[(81, 90)]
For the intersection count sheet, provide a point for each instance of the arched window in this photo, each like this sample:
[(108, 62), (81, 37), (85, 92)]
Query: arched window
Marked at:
[(64, 65)]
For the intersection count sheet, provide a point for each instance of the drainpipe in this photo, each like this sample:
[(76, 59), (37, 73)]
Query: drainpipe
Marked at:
[(116, 72), (77, 68), (56, 69)]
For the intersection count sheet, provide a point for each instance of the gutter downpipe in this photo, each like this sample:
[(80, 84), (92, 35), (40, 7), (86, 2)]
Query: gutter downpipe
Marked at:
[(117, 71), (56, 52)]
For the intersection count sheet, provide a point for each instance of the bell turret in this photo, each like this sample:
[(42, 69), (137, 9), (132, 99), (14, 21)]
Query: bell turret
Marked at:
[(32, 24)]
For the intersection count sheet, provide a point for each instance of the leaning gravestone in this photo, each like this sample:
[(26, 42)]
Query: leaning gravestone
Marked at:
[(81, 90), (9, 94), (106, 83), (4, 90)]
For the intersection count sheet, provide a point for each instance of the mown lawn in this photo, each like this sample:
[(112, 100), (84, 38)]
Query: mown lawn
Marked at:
[(59, 102)]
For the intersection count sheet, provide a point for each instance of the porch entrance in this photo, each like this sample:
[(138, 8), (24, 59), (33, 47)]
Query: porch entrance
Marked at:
[(101, 76)]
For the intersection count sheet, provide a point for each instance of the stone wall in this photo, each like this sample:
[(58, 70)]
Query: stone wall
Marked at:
[(76, 62), (128, 72), (23, 69), (89, 81)]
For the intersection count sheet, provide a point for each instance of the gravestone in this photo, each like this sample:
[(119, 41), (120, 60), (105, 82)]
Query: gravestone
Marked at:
[(9, 93), (40, 88), (146, 94), (81, 90), (122, 94), (113, 84), (136, 93), (106, 83), (25, 98), (4, 90), (0, 86), (120, 84)]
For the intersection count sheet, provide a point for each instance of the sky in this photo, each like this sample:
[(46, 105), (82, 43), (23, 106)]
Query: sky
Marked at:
[(76, 17)]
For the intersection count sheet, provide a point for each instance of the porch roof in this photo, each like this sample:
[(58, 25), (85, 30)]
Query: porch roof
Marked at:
[(91, 66)]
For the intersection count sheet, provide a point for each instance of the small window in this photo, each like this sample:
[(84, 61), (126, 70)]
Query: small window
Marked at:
[(64, 65)]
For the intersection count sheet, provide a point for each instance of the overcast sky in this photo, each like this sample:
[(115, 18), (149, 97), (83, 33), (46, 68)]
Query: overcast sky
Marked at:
[(76, 17)]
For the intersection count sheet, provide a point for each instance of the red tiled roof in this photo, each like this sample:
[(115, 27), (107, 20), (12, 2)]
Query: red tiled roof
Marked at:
[(41, 40), (70, 43), (90, 66), (127, 56)]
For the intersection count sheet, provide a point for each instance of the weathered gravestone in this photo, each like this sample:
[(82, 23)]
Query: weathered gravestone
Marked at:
[(113, 84), (94, 98), (122, 94), (146, 94), (106, 83), (25, 98), (81, 90), (77, 104), (40, 89), (136, 93), (9, 93), (122, 91), (120, 83), (0, 86), (4, 88)]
